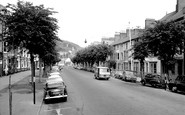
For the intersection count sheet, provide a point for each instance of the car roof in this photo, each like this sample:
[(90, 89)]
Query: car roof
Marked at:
[(57, 80), (54, 76), (54, 73)]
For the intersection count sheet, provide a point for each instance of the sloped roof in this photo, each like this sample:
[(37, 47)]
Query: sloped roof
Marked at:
[(168, 16), (125, 39), (121, 40), (177, 15), (173, 16)]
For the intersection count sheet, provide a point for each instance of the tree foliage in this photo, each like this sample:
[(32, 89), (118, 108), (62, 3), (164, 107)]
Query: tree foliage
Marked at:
[(93, 54), (33, 28), (165, 41)]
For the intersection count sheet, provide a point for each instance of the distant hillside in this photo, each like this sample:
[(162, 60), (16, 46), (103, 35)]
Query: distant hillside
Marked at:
[(63, 45)]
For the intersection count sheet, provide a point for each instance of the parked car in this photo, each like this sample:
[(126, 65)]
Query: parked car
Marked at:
[(119, 74), (54, 77), (54, 73), (79, 67), (154, 80), (55, 89), (129, 76), (178, 84), (102, 73)]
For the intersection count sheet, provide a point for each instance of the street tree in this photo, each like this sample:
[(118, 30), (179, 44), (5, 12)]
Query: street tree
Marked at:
[(31, 27), (140, 52), (93, 54), (165, 41)]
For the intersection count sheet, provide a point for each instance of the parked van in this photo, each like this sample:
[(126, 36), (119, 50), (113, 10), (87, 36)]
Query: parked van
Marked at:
[(102, 73)]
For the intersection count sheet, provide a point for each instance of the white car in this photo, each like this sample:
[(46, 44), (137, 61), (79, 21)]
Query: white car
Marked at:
[(54, 73), (55, 89), (54, 77)]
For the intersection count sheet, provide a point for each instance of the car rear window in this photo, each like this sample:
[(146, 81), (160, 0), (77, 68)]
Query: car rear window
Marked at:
[(54, 85)]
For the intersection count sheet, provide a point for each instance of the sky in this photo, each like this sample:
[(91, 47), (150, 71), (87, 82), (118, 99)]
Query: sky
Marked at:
[(93, 19)]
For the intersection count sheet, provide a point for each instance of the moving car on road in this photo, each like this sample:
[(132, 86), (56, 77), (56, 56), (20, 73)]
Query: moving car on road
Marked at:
[(102, 73), (154, 80), (178, 84), (55, 89)]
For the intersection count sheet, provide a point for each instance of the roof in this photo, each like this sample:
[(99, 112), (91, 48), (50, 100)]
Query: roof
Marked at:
[(1, 6), (174, 16), (168, 16), (126, 39)]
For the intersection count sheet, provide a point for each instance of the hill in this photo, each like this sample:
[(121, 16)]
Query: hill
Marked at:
[(65, 46)]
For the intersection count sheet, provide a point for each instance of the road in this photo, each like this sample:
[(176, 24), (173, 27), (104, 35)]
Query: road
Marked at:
[(88, 96)]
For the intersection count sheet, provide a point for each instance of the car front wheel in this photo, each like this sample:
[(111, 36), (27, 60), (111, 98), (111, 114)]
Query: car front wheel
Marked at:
[(143, 83)]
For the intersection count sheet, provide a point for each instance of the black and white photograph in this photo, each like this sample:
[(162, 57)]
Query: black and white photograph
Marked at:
[(92, 57)]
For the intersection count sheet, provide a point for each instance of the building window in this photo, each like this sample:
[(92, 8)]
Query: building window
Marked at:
[(125, 55), (153, 67), (125, 65), (136, 66)]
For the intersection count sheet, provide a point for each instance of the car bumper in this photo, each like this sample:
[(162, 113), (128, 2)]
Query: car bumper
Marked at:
[(130, 79), (55, 97), (104, 77)]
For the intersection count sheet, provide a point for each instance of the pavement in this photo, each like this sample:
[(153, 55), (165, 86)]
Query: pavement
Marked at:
[(22, 94)]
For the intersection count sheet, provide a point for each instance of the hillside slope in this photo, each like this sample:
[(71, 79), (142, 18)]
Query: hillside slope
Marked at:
[(63, 45)]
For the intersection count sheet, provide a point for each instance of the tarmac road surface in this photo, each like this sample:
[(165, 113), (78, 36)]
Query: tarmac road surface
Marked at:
[(88, 96)]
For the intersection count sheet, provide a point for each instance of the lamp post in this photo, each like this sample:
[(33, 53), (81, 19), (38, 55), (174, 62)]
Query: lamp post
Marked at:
[(130, 38), (3, 29)]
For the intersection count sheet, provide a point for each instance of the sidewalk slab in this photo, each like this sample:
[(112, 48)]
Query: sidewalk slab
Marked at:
[(4, 81), (22, 97)]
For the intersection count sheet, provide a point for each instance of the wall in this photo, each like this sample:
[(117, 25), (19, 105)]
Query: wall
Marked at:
[(180, 5)]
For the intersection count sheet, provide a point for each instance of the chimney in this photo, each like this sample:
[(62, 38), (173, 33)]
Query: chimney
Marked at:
[(180, 5), (149, 23)]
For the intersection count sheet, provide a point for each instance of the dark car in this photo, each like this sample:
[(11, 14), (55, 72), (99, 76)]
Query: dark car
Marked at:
[(55, 88), (154, 80), (178, 84)]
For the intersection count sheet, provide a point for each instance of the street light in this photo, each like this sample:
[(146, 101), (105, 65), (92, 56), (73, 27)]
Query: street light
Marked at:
[(3, 11)]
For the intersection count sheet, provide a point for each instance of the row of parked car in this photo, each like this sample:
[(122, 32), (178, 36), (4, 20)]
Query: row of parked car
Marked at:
[(126, 75), (154, 80), (90, 69), (55, 87)]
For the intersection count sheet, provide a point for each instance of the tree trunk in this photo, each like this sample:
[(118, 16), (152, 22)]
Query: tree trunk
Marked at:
[(40, 69), (32, 66), (142, 68)]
